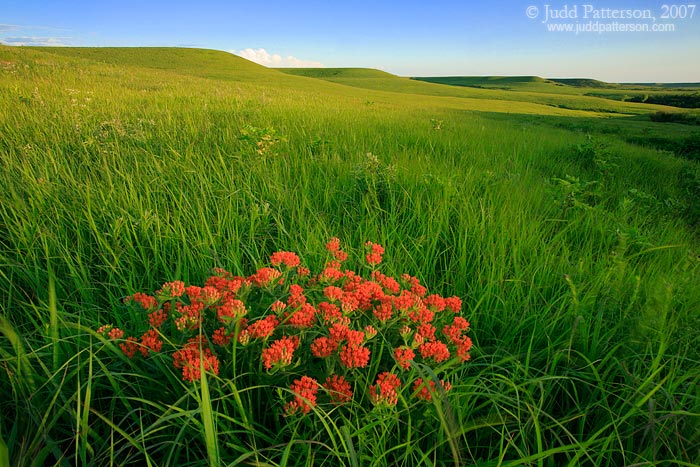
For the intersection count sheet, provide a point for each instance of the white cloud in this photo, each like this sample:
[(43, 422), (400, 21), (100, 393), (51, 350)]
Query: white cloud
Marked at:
[(263, 57), (34, 41)]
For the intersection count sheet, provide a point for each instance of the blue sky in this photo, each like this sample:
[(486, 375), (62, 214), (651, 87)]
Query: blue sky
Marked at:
[(408, 38)]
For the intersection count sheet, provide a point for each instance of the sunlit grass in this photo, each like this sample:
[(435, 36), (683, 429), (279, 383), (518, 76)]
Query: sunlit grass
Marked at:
[(125, 169)]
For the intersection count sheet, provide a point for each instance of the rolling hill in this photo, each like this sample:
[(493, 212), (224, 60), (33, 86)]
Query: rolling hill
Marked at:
[(530, 89)]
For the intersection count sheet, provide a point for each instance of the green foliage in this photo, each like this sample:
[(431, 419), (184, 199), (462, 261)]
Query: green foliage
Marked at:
[(437, 124), (688, 100), (262, 140), (675, 117), (370, 185), (596, 156), (577, 194)]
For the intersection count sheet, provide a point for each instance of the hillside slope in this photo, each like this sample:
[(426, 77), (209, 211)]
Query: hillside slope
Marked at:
[(363, 85), (534, 90)]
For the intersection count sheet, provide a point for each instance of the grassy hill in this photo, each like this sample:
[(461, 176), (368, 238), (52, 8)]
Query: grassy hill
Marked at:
[(571, 240), (338, 73), (480, 81), (684, 95), (532, 90), (212, 64)]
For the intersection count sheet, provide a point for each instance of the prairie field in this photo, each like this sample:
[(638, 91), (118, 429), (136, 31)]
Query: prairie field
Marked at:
[(568, 223)]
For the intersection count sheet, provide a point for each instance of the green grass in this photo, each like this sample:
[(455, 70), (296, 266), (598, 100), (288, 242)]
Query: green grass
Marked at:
[(532, 92), (674, 94), (574, 247)]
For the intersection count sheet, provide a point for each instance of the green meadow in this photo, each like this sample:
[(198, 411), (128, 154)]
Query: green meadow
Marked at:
[(568, 223)]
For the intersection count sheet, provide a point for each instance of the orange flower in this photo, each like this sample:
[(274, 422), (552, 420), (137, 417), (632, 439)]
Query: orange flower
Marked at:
[(389, 283), (265, 277), (287, 258), (263, 328), (331, 314), (425, 391), (210, 295), (116, 333), (333, 293), (278, 306), (280, 352), (230, 309), (193, 292), (370, 332), (224, 282), (463, 348), (349, 303), (421, 315), (354, 356), (150, 341), (405, 301), (147, 302), (110, 331), (435, 302), (190, 316), (296, 296), (192, 357), (303, 318), (437, 350), (323, 347), (375, 255), (383, 311), (454, 331), (385, 391), (333, 246), (454, 304), (341, 332), (365, 293), (331, 274), (157, 318), (426, 331), (221, 337), (338, 389), (129, 347), (414, 284), (171, 290), (305, 390), (403, 356)]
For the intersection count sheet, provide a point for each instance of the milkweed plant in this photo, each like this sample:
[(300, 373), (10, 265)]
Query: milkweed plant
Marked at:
[(331, 338)]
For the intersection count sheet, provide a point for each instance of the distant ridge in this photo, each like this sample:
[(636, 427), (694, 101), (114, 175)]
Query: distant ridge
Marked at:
[(478, 81), (504, 82), (325, 73), (584, 82), (665, 85)]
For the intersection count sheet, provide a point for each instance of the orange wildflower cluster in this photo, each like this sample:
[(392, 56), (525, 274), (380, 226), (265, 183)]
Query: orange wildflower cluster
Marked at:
[(385, 390), (364, 336), (403, 356), (338, 389), (374, 257), (305, 390), (333, 246), (171, 290), (287, 258), (194, 356), (426, 390), (147, 302), (150, 342), (280, 352)]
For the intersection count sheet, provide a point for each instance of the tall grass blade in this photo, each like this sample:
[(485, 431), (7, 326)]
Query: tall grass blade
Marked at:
[(208, 421)]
